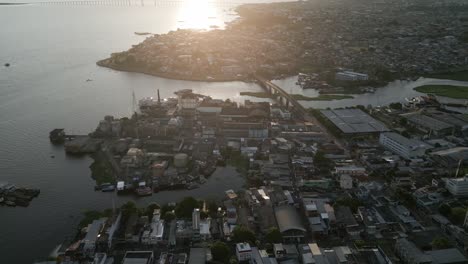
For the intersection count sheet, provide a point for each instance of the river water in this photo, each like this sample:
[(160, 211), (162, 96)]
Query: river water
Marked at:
[(52, 50)]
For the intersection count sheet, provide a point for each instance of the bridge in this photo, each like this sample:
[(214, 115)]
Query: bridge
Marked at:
[(283, 98), (289, 102)]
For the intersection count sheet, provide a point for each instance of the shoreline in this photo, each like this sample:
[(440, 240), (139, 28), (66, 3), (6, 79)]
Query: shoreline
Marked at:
[(103, 63)]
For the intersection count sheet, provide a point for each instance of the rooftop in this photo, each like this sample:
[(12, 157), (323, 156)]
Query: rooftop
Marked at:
[(288, 218), (351, 121)]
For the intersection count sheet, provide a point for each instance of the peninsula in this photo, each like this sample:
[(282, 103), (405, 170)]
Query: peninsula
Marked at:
[(325, 38)]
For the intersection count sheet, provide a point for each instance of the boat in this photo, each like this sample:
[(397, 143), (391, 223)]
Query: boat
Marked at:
[(192, 186), (142, 33), (10, 203), (7, 64), (144, 191), (108, 188)]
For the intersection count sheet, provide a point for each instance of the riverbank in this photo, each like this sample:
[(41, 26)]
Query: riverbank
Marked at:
[(107, 63), (456, 75)]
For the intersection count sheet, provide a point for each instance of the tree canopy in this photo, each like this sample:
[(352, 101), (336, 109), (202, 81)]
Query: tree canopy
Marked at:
[(273, 236), (440, 243), (184, 209), (242, 234), (220, 252)]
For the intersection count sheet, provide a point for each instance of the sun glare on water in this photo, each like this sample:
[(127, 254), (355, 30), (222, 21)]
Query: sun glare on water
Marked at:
[(198, 14)]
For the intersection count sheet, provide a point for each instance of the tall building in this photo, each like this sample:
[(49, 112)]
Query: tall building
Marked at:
[(457, 186), (196, 224), (404, 147)]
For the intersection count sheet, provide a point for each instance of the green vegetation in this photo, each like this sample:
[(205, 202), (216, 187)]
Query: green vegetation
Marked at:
[(273, 236), (184, 209), (396, 106), (128, 209), (101, 170), (457, 76), (91, 215), (352, 203), (440, 243), (242, 234), (457, 215), (322, 97), (150, 210), (220, 252), (406, 198), (457, 92)]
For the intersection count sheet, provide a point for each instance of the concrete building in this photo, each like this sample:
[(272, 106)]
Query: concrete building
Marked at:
[(346, 182), (429, 124), (186, 99), (350, 170), (196, 224), (289, 223), (354, 121), (402, 146), (457, 186), (92, 235), (243, 252), (138, 257), (351, 76)]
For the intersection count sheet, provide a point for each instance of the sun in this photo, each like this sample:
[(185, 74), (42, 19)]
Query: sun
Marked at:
[(198, 14)]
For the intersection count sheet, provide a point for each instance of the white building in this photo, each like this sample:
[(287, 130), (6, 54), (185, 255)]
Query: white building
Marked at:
[(457, 186), (404, 147), (196, 224), (243, 252), (205, 226), (350, 170), (155, 233), (346, 182), (351, 76)]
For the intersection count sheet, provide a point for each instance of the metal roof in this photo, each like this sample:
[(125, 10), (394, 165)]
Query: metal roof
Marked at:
[(288, 219), (351, 121)]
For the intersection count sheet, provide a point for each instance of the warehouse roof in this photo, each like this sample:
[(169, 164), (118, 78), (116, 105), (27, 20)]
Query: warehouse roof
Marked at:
[(351, 121)]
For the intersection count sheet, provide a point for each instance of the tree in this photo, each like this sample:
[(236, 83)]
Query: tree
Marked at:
[(403, 121), (220, 252), (458, 215), (440, 243), (150, 210), (352, 203), (396, 106), (128, 209), (273, 236), (184, 209), (169, 216), (445, 210), (243, 234)]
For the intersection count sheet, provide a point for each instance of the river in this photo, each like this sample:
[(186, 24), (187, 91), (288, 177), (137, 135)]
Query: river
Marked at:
[(52, 50)]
